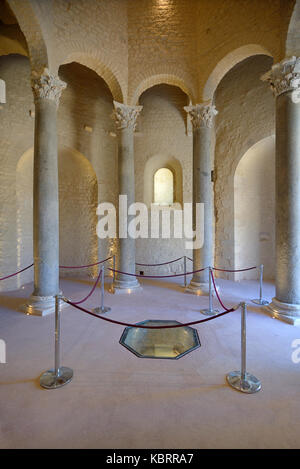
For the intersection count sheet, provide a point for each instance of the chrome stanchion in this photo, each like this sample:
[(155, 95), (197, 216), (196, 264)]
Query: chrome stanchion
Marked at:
[(184, 269), (241, 380), (102, 309), (210, 311), (114, 269), (261, 301), (60, 375)]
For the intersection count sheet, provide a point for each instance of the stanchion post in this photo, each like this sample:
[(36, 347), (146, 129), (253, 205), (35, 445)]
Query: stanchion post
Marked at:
[(114, 269), (60, 375), (260, 300), (102, 309), (241, 380), (210, 311), (184, 267)]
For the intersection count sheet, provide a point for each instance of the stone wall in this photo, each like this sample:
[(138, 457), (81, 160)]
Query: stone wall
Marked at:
[(246, 115)]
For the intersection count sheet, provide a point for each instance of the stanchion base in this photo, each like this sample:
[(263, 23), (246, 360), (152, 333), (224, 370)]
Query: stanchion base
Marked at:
[(208, 312), (261, 302), (249, 385), (49, 380), (101, 310)]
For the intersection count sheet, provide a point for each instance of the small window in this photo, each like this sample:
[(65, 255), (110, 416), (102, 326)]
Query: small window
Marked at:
[(163, 187)]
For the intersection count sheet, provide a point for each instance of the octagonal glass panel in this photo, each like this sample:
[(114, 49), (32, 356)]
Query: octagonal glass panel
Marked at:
[(160, 343)]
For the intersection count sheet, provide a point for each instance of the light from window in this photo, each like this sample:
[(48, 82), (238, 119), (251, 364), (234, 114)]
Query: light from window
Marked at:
[(163, 187)]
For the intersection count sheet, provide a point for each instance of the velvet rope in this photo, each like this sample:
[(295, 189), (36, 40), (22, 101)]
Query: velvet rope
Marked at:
[(140, 326), (83, 266), (156, 276), (16, 273), (228, 270), (91, 292), (215, 287), (238, 270), (163, 263)]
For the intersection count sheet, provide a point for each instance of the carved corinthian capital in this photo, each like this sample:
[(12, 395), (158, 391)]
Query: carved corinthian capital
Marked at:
[(125, 116), (45, 85), (285, 76), (202, 114)]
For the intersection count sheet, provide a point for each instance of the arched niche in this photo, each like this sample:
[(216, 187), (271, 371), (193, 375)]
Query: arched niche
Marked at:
[(155, 164), (163, 187), (78, 194), (254, 210)]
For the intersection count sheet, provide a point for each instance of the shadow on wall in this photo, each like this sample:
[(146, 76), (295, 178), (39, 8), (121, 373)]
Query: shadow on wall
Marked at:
[(78, 195), (254, 210)]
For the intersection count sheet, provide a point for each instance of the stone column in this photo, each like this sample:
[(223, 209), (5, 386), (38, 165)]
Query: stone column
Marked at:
[(284, 79), (47, 89), (202, 117), (2, 92), (125, 118)]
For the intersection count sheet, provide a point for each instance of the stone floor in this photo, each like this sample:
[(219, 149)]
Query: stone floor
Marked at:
[(117, 400)]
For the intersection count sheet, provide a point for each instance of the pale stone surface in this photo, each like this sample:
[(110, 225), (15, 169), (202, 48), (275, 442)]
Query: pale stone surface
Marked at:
[(47, 90), (202, 117), (125, 118), (284, 79), (254, 210)]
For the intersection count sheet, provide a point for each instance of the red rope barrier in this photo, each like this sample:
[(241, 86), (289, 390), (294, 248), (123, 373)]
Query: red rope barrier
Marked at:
[(163, 263), (16, 273), (91, 292), (215, 287), (156, 276), (83, 266), (139, 326), (239, 270)]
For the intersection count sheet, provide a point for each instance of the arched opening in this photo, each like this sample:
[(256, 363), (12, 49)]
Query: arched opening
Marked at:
[(78, 193), (162, 79), (163, 187), (227, 63), (254, 210), (163, 181)]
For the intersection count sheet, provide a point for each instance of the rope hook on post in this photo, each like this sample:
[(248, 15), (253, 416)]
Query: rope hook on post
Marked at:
[(260, 300), (59, 375), (241, 380), (210, 311), (102, 309)]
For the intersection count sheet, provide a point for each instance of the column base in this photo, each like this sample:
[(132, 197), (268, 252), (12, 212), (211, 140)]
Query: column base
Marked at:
[(198, 288), (40, 305), (289, 313), (122, 286)]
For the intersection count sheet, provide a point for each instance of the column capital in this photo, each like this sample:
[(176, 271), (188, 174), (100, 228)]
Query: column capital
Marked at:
[(285, 76), (125, 116), (202, 114), (46, 85)]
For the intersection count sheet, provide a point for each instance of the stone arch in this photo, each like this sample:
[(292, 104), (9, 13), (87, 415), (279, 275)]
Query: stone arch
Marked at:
[(227, 63), (166, 79), (94, 63), (293, 36), (26, 14), (254, 209), (78, 195), (155, 163)]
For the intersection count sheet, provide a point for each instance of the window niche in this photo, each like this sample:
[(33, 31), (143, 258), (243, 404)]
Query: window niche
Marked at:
[(163, 187), (163, 182)]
